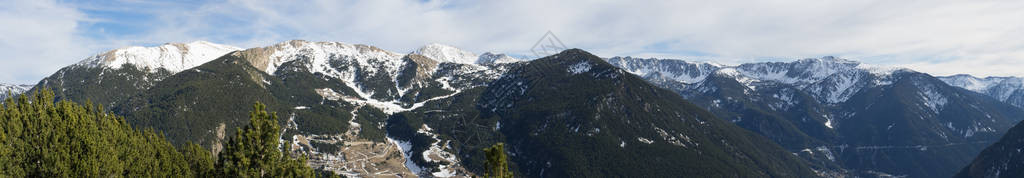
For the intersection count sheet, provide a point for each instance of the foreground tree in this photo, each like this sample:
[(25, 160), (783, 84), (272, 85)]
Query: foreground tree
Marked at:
[(497, 162), (255, 151), (43, 138)]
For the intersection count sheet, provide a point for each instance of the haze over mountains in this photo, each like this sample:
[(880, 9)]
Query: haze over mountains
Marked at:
[(359, 110)]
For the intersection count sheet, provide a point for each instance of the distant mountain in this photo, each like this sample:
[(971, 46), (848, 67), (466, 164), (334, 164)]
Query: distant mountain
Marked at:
[(451, 54), (334, 99), (1006, 89), (359, 110), (111, 77), (866, 120), (12, 89), (1003, 159), (574, 115), (345, 105)]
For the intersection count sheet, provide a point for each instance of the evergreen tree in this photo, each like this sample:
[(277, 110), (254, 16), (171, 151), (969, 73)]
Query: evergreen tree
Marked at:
[(200, 161), (497, 162), (254, 151), (43, 138)]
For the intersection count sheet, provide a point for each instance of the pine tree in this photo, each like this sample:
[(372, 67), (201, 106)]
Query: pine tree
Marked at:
[(43, 138), (497, 162), (254, 151), (199, 159)]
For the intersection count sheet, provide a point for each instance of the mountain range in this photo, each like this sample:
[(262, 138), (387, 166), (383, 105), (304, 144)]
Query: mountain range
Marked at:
[(359, 110), (1006, 89), (12, 89), (867, 120)]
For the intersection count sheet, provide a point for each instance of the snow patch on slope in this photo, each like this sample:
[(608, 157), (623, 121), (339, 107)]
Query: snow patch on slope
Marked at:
[(932, 98), (444, 158), (405, 147), (581, 67), (388, 107)]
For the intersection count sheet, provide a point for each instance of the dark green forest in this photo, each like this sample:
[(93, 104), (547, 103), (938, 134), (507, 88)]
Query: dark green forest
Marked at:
[(41, 137)]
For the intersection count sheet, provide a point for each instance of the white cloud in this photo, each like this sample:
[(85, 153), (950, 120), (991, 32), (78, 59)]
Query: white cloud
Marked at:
[(924, 35), (36, 35), (939, 37)]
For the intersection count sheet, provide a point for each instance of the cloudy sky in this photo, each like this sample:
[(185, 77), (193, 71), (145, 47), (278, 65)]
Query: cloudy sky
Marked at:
[(982, 38)]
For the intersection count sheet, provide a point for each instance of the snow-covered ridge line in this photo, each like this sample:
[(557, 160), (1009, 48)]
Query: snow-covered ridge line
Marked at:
[(13, 88), (808, 70), (977, 84), (448, 53), (830, 79), (1006, 89), (173, 57), (269, 58)]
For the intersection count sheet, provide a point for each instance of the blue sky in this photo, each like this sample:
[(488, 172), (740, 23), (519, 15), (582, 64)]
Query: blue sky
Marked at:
[(939, 37)]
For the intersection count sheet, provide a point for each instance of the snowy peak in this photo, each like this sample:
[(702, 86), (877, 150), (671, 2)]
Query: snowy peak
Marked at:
[(829, 79), (1006, 89), (804, 71), (271, 57), (12, 89), (319, 54), (446, 53), (173, 57), (666, 69), (491, 58), (830, 60), (980, 85)]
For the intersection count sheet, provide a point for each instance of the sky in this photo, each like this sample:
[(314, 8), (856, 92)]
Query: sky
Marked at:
[(982, 38)]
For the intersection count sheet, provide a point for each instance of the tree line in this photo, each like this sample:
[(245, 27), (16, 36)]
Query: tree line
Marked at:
[(41, 137)]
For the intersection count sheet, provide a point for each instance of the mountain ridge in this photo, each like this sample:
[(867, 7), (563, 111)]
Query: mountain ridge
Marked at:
[(573, 114), (12, 90), (358, 88), (1006, 89), (173, 57), (837, 103)]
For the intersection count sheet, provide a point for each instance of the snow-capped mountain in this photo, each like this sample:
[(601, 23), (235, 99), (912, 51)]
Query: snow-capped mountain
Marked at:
[(12, 89), (446, 53), (829, 79), (491, 58), (342, 105), (574, 115), (823, 104), (331, 92), (1006, 89), (173, 57), (376, 75), (111, 77)]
